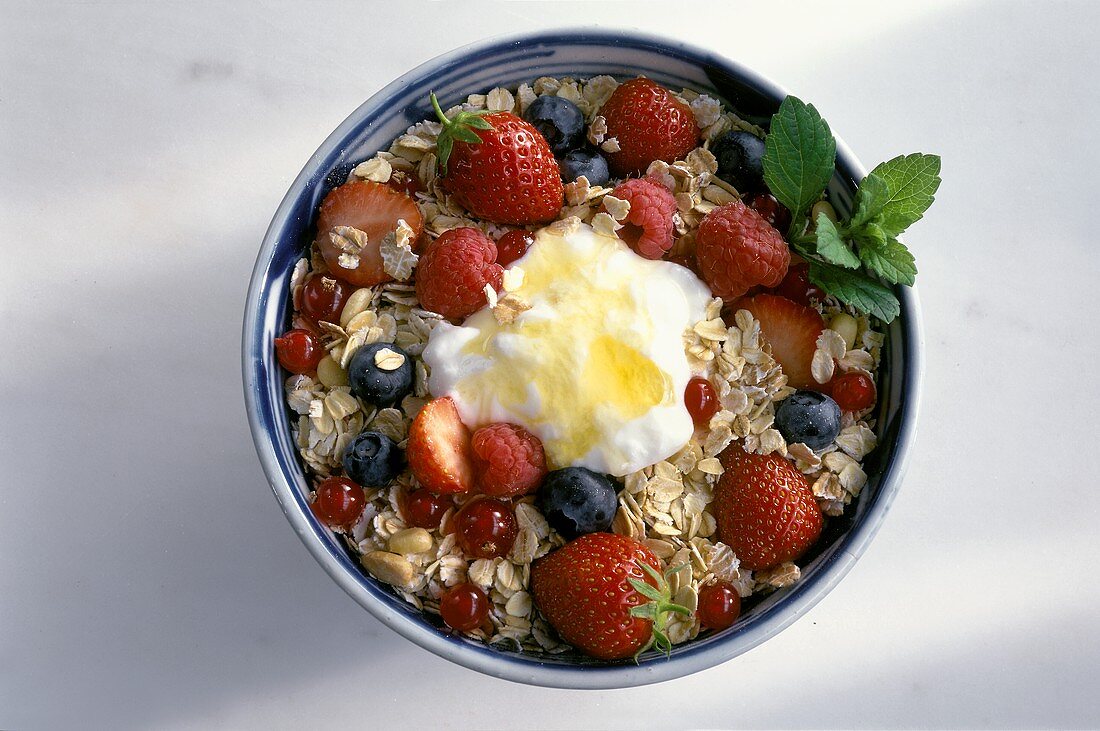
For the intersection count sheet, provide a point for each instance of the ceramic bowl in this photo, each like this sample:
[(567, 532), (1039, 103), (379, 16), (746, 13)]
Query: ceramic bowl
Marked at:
[(508, 62)]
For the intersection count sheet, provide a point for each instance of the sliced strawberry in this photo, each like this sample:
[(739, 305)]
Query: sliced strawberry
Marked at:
[(374, 209), (439, 451), (791, 329)]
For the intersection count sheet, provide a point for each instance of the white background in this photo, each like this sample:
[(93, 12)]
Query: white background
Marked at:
[(147, 575)]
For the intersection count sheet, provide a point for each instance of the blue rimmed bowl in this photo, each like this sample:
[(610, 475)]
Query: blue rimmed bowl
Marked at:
[(508, 62)]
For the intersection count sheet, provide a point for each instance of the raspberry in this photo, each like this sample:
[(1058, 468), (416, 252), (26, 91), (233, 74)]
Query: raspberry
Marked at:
[(509, 460), (454, 270), (737, 249), (648, 226)]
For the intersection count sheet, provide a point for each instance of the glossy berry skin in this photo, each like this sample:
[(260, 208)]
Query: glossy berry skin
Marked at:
[(513, 245), (764, 508), (377, 385), (592, 165), (559, 120), (373, 459), (299, 351), (771, 210), (464, 607), (338, 502), (576, 501), (423, 509), (736, 249), (508, 459), (740, 157), (648, 228), (719, 605), (453, 272), (853, 391), (649, 124), (323, 298), (808, 417), (701, 401), (796, 285), (582, 590), (486, 528), (404, 182)]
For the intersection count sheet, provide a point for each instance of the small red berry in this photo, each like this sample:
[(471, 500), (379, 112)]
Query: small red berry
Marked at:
[(404, 182), (648, 228), (486, 528), (512, 245), (853, 391), (338, 502), (771, 210), (464, 607), (796, 286), (424, 509), (701, 401), (719, 605), (323, 298), (299, 351)]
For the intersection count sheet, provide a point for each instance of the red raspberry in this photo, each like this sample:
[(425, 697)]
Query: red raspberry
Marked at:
[(648, 226), (649, 124), (454, 270), (737, 249), (509, 460)]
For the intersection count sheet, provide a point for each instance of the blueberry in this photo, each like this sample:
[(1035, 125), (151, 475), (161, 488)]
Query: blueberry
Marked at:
[(559, 120), (740, 160), (381, 386), (589, 164), (576, 501), (373, 459), (808, 417)]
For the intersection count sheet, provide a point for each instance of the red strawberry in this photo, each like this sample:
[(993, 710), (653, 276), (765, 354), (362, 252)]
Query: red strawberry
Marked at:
[(509, 460), (765, 509), (593, 591), (438, 450), (503, 172), (453, 272), (649, 124), (374, 209), (737, 249), (792, 330)]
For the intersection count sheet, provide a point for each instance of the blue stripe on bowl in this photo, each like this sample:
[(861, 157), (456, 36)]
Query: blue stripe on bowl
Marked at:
[(509, 62)]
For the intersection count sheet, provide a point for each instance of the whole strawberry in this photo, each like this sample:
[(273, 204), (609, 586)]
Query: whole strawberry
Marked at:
[(504, 172), (737, 249), (765, 509), (453, 271), (649, 124), (594, 592)]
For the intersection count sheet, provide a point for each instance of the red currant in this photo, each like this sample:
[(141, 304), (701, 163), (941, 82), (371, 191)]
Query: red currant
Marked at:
[(719, 605), (339, 502), (853, 391), (404, 182), (323, 298), (513, 245), (772, 211), (701, 401), (796, 285), (423, 509), (486, 528), (299, 351), (464, 607)]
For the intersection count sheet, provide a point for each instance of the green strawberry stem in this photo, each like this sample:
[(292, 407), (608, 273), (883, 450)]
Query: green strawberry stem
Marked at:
[(658, 609), (460, 128)]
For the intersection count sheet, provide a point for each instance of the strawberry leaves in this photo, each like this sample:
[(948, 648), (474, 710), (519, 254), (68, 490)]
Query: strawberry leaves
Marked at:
[(657, 609), (460, 128)]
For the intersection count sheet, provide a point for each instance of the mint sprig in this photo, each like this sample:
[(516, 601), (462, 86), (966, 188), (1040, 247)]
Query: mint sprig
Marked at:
[(851, 260)]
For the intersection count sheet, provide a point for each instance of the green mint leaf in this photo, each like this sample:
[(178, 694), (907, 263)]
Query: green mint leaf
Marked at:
[(856, 289), (912, 181), (872, 196), (870, 235), (831, 246), (799, 155), (891, 261)]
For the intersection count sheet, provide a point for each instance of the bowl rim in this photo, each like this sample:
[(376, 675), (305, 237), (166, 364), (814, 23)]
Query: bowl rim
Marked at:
[(478, 656)]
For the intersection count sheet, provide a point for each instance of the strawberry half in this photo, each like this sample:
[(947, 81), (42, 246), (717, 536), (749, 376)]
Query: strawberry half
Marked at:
[(792, 330), (438, 449), (374, 209), (594, 592), (503, 172), (765, 509)]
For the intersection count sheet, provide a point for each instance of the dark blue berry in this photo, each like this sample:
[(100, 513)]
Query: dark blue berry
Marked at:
[(576, 501), (559, 120), (589, 164), (808, 417), (740, 160), (376, 385), (373, 459)]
